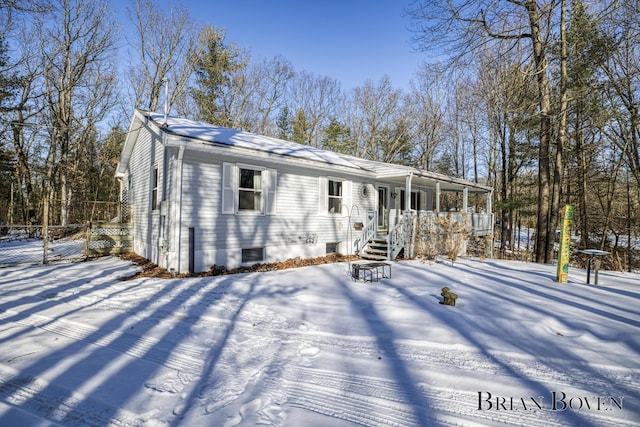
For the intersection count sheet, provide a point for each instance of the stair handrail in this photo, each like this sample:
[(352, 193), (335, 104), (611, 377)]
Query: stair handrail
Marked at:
[(399, 235), (368, 232)]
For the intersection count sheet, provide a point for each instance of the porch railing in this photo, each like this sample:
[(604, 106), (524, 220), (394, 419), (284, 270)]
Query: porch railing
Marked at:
[(481, 223), (368, 232), (399, 235)]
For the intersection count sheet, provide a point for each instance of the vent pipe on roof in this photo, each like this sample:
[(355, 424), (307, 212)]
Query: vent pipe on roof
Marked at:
[(166, 100)]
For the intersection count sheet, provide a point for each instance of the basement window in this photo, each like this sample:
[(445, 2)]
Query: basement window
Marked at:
[(331, 248), (252, 255)]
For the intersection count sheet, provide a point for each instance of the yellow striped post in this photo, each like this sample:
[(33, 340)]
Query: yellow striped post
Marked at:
[(564, 250)]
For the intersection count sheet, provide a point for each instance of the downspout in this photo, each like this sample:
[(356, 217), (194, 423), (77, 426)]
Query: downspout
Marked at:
[(178, 208), (163, 200), (407, 191), (162, 223)]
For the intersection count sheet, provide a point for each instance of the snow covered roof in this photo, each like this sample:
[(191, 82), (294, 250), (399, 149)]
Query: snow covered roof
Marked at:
[(208, 133), (220, 135)]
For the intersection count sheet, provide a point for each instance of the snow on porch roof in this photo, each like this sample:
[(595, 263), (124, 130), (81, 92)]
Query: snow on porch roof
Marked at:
[(220, 135)]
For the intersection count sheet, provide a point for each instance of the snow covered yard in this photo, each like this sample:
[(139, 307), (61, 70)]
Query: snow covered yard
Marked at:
[(311, 347)]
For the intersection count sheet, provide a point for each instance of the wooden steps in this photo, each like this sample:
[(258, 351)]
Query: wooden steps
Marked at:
[(376, 250)]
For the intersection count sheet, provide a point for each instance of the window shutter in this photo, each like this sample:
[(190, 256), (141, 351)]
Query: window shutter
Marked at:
[(323, 196), (229, 188), (270, 193), (346, 197)]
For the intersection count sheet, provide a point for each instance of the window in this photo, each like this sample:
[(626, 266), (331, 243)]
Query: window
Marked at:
[(252, 255), (335, 196), (415, 200), (331, 248), (250, 190), (154, 189)]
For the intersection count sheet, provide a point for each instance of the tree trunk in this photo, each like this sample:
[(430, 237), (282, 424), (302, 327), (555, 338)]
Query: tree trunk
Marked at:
[(584, 219), (562, 126), (24, 172), (543, 242), (504, 191)]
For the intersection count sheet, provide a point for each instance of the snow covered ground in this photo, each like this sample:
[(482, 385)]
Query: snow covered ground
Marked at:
[(30, 251), (311, 347)]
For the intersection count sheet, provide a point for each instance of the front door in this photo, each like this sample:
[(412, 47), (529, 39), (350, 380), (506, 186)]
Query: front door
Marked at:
[(383, 208)]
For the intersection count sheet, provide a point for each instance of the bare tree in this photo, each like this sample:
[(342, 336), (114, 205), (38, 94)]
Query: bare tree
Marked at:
[(375, 110), (270, 80), (163, 44), (76, 44), (25, 107), (427, 95), (318, 98), (465, 26)]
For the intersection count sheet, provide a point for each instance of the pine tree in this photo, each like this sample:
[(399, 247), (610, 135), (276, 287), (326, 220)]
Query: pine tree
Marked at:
[(214, 62), (283, 122), (300, 132), (337, 137)]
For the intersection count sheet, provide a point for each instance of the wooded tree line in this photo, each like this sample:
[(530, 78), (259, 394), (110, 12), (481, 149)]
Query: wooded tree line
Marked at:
[(537, 98)]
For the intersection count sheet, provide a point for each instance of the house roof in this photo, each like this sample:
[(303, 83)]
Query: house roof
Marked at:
[(207, 133), (232, 137)]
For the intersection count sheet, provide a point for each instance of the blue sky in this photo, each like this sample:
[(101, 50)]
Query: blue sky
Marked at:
[(349, 40)]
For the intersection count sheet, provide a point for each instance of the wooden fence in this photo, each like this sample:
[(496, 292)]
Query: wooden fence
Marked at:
[(109, 238)]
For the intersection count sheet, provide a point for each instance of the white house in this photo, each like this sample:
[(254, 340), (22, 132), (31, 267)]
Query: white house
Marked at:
[(200, 195)]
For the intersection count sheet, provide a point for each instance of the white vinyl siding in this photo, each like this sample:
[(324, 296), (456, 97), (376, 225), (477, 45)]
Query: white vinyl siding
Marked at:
[(291, 225), (146, 171)]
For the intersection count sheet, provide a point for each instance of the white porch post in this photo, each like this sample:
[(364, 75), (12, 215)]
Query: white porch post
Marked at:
[(465, 199), (407, 191), (437, 197), (407, 205), (488, 194)]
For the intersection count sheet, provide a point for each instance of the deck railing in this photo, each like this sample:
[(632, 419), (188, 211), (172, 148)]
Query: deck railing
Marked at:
[(399, 235), (368, 231)]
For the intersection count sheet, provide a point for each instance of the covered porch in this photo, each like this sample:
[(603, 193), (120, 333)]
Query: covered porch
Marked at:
[(418, 201)]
